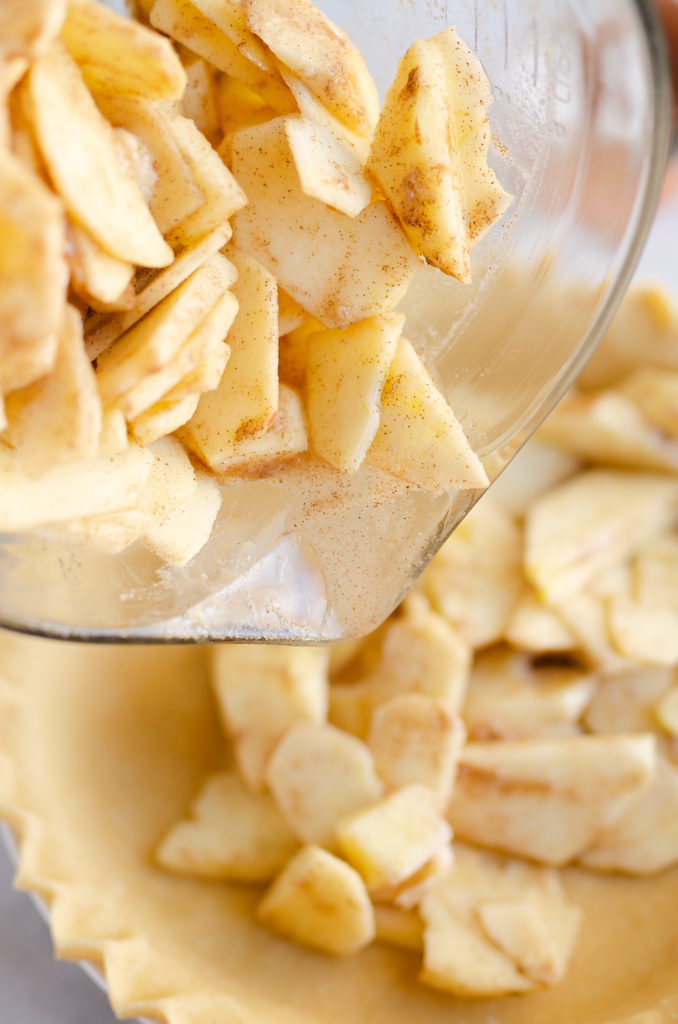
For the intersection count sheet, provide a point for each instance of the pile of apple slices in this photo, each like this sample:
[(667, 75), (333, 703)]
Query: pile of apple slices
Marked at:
[(192, 216), (524, 697)]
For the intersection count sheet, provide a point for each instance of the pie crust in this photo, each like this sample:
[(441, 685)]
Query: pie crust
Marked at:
[(102, 749)]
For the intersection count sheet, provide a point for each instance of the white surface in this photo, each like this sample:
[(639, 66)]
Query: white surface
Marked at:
[(660, 259), (36, 990)]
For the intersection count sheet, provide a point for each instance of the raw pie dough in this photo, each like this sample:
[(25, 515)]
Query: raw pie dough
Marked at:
[(103, 748)]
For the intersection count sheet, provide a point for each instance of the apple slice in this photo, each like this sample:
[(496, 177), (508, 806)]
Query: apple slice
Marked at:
[(185, 532), (209, 335), (85, 487), (232, 835), (222, 195), (321, 55), (477, 576), (328, 169), (317, 775), (33, 275), (643, 839), (170, 484), (229, 17), (101, 330), (176, 194), (183, 22), (262, 691), (153, 343), (402, 929), (320, 901), (162, 419), (547, 799), (429, 153), (395, 837), (345, 374), (199, 102), (607, 428), (256, 456), (341, 269), (416, 738), (99, 279), (79, 150), (120, 55), (113, 434), (28, 27), (419, 438), (246, 401), (592, 522), (509, 697), (57, 419), (654, 392)]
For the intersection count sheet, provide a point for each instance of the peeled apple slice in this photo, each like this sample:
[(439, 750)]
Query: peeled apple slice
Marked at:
[(419, 438), (79, 149), (345, 373), (119, 54), (305, 41), (340, 269)]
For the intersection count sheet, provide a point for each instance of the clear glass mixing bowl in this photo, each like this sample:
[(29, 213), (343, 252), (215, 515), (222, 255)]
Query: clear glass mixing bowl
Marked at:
[(581, 119)]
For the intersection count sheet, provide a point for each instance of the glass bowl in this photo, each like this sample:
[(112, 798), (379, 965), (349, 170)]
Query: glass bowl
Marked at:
[(581, 119)]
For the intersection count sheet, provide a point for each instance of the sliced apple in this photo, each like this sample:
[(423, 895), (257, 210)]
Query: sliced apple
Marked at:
[(33, 275), (262, 691), (417, 739), (120, 55), (475, 580), (222, 195), (175, 195), (199, 102), (320, 901), (28, 27), (170, 484), (153, 343), (644, 837), (185, 532), (340, 269), (99, 279), (229, 17), (607, 428), (321, 55), (547, 799), (419, 653), (58, 418), (534, 627), (328, 169), (317, 775), (79, 150), (419, 438), (429, 153), (101, 330), (232, 834), (592, 522), (182, 21), (394, 838), (345, 374), (85, 487), (209, 335), (246, 401), (510, 697)]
